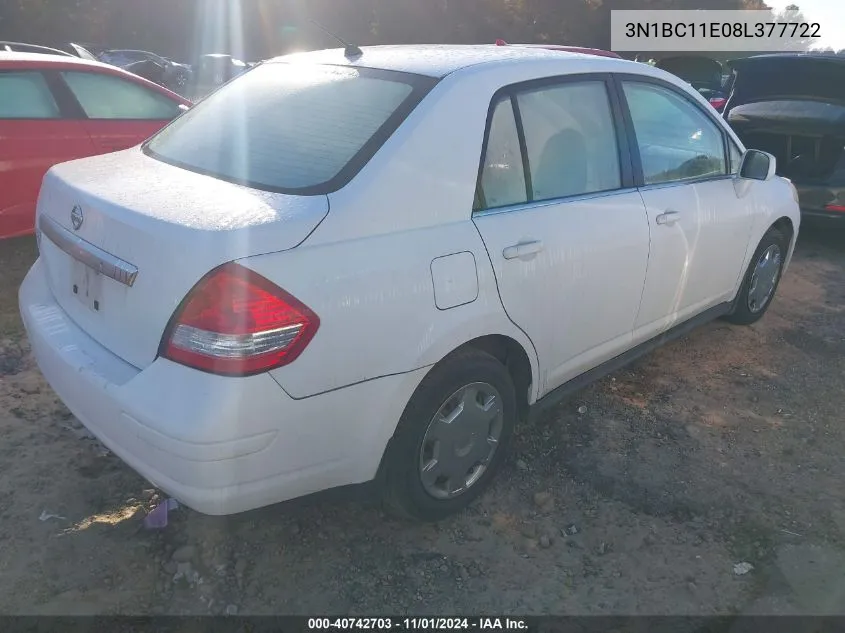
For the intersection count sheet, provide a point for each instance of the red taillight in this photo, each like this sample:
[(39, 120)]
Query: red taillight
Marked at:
[(835, 207), (501, 43), (718, 102), (236, 323)]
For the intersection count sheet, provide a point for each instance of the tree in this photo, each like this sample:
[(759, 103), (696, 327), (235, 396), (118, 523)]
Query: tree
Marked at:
[(792, 14)]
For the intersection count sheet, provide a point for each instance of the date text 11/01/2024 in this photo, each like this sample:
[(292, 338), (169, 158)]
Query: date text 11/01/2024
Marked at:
[(417, 624), (789, 30)]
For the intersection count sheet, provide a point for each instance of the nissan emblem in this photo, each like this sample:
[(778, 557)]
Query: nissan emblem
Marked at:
[(76, 217)]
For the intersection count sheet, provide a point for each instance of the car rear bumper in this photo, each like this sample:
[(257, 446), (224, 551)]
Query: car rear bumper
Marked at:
[(821, 201), (836, 216), (219, 445)]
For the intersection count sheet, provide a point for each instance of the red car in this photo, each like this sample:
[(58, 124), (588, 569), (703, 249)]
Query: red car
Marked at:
[(54, 109)]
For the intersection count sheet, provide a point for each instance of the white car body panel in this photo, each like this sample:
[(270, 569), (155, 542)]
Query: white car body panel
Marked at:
[(553, 293), (694, 263), (396, 267), (382, 295), (220, 445), (160, 213)]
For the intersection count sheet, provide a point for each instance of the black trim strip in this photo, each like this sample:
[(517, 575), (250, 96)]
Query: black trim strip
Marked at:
[(630, 135), (523, 149), (623, 142), (579, 382), (70, 106)]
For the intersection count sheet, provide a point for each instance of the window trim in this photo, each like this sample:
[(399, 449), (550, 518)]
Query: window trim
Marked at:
[(523, 149), (732, 143), (78, 111), (479, 201), (421, 87), (512, 91), (64, 96), (539, 204), (62, 113), (713, 117)]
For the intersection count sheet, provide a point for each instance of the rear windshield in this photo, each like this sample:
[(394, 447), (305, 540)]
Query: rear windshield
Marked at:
[(292, 128)]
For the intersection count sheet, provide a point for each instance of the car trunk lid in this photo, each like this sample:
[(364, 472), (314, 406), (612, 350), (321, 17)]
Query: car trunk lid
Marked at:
[(122, 251), (793, 106)]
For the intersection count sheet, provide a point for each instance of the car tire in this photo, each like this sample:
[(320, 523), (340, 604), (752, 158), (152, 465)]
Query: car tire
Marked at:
[(465, 382), (748, 307)]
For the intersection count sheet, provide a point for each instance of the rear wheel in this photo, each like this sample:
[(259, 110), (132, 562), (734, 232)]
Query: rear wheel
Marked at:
[(451, 439), (761, 279)]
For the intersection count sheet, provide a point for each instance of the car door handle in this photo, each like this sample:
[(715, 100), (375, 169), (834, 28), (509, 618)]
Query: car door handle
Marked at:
[(522, 249), (668, 218)]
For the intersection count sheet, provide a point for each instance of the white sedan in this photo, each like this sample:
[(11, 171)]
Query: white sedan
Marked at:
[(343, 270)]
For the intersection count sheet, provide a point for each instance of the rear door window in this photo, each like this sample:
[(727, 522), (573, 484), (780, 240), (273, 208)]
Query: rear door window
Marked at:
[(290, 127), (564, 134), (570, 140), (26, 95)]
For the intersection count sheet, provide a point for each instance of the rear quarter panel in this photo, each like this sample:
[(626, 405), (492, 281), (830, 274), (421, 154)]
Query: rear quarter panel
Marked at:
[(375, 299)]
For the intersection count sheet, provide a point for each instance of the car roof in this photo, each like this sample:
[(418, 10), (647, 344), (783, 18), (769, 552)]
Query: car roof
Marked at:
[(437, 60)]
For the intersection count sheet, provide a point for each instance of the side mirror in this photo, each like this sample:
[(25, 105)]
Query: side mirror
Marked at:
[(757, 165)]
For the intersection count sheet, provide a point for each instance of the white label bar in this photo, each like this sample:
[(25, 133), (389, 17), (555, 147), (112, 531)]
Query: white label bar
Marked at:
[(713, 31)]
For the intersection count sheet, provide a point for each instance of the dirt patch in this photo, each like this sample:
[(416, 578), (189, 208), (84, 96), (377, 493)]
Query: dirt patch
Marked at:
[(721, 448)]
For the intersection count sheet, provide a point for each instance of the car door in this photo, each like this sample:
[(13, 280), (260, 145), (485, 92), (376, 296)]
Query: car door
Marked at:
[(566, 232), (699, 220), (120, 113), (35, 134)]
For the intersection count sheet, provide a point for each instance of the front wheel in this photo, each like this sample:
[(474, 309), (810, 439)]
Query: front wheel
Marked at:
[(761, 279), (451, 438)]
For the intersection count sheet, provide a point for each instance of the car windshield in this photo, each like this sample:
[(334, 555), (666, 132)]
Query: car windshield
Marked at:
[(289, 127)]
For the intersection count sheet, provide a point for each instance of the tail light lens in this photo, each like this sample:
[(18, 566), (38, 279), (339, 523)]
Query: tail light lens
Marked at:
[(237, 323), (836, 207), (718, 103)]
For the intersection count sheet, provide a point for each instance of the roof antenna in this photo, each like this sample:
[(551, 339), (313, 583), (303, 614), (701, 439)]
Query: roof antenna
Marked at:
[(350, 50)]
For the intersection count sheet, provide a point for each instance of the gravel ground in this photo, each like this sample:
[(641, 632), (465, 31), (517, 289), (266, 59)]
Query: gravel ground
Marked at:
[(705, 479)]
